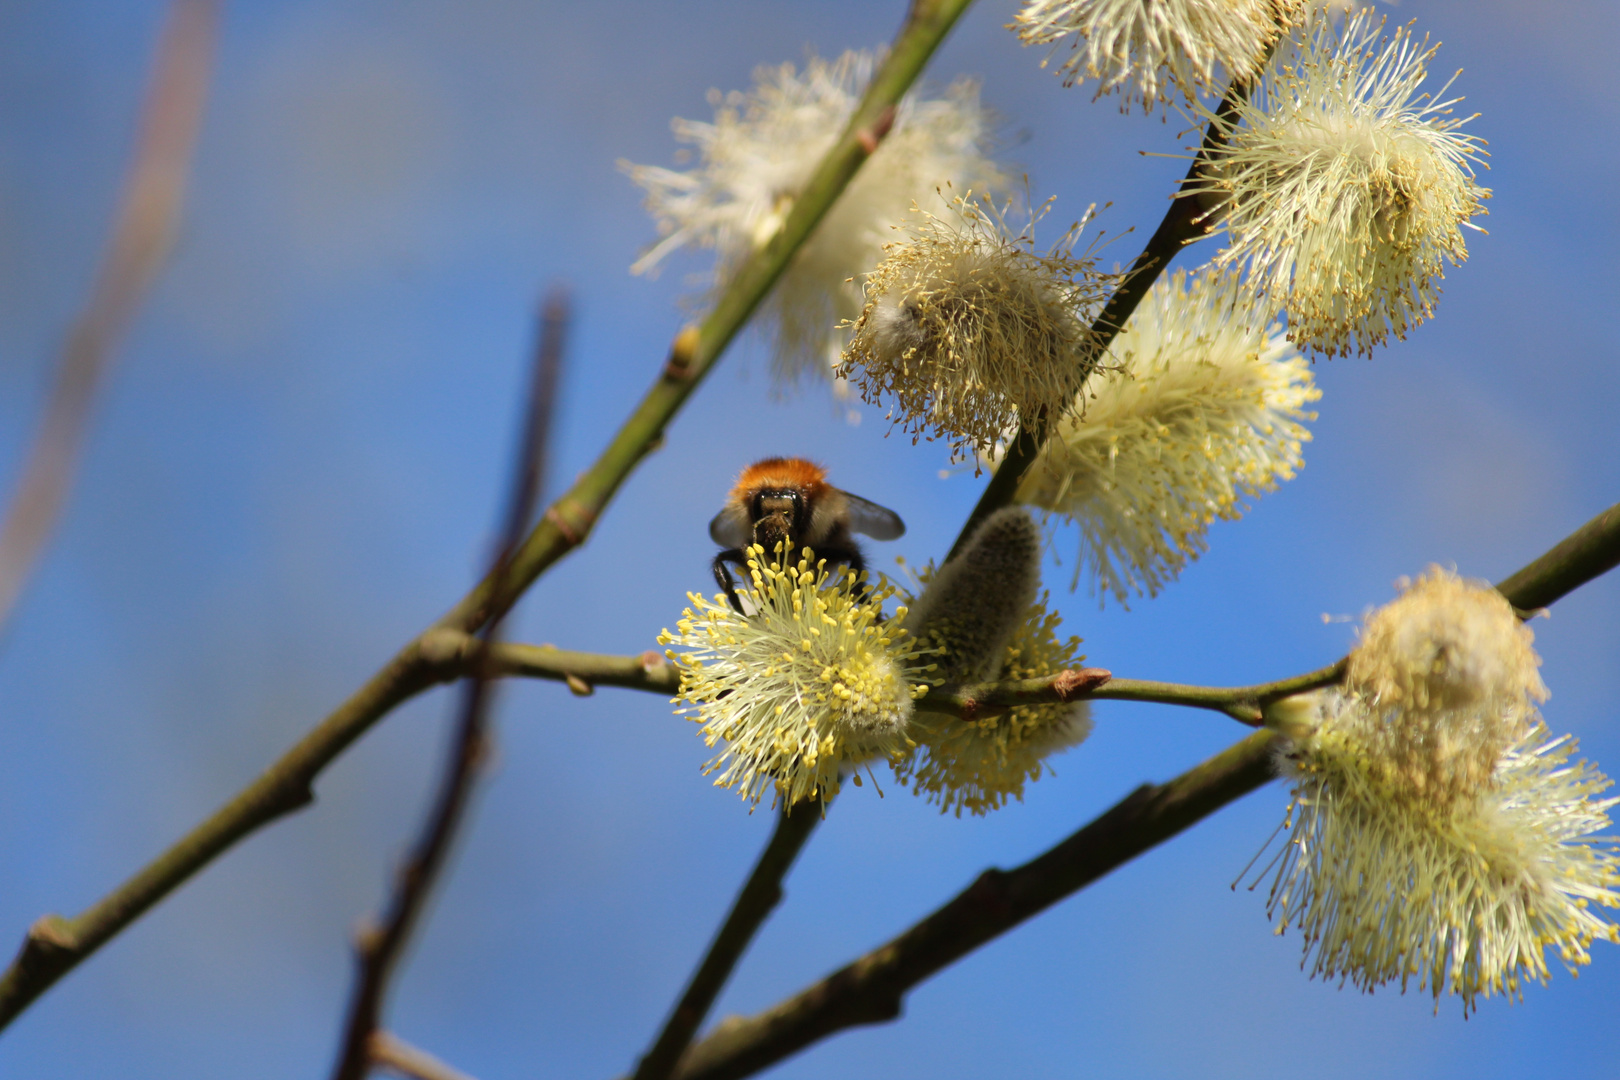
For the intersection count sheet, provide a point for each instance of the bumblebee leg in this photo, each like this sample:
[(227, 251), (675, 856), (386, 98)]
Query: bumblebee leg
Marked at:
[(722, 575)]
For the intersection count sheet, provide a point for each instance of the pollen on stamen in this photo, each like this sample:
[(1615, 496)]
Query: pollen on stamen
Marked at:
[(810, 684)]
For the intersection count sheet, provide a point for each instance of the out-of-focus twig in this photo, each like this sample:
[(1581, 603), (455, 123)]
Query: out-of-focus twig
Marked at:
[(54, 945), (392, 1054), (141, 234), (379, 948), (872, 988)]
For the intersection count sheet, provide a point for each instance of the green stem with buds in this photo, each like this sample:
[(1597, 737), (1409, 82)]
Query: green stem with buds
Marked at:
[(55, 945)]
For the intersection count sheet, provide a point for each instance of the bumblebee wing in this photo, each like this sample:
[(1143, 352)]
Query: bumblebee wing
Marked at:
[(870, 519), (730, 528)]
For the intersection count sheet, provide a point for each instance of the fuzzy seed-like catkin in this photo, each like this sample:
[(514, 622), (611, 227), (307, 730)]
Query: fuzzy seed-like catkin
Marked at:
[(966, 327), (1344, 188), (755, 159), (981, 616)]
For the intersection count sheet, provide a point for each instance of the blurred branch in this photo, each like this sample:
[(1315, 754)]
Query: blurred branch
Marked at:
[(395, 1055), (871, 989), (452, 652), (378, 949), (694, 352), (140, 240), (758, 898), (1186, 221), (55, 945)]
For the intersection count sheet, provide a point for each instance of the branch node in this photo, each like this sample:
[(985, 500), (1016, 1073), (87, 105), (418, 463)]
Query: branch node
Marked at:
[(578, 686), (681, 354), (1246, 712), (367, 937), (51, 935), (573, 531), (871, 137), (1074, 682), (445, 650)]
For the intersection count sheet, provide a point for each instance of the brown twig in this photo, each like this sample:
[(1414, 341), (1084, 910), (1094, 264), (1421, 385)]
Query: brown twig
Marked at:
[(140, 240), (393, 1054), (758, 898), (871, 989), (378, 949), (454, 653), (55, 945)]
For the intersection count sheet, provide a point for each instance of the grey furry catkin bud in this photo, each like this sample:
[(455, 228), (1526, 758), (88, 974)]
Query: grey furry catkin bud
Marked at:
[(982, 619), (973, 603)]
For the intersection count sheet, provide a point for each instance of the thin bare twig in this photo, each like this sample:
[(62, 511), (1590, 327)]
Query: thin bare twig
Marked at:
[(871, 989), (453, 653), (758, 898), (55, 945), (140, 240), (378, 950), (392, 1054)]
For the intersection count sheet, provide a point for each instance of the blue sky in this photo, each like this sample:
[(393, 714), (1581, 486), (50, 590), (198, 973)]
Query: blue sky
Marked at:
[(296, 464)]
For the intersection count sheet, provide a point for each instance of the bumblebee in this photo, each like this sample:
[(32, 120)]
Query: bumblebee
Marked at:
[(789, 499)]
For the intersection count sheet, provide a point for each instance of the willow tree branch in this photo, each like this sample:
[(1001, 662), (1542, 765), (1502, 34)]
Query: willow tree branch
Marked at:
[(378, 949), (569, 520), (55, 945), (758, 898), (141, 235), (392, 1054), (456, 652), (1187, 220), (871, 989), (1587, 553)]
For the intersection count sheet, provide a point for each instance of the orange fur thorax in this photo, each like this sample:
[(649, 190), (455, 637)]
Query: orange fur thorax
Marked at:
[(780, 474)]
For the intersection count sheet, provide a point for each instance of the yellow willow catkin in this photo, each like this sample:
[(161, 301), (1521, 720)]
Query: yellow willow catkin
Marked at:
[(1462, 895), (1150, 51), (1199, 407), (812, 682)]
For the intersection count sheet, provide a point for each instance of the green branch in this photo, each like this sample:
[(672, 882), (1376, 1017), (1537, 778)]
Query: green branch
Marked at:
[(871, 989), (55, 945)]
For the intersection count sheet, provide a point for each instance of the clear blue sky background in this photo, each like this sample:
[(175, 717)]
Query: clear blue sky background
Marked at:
[(296, 464)]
